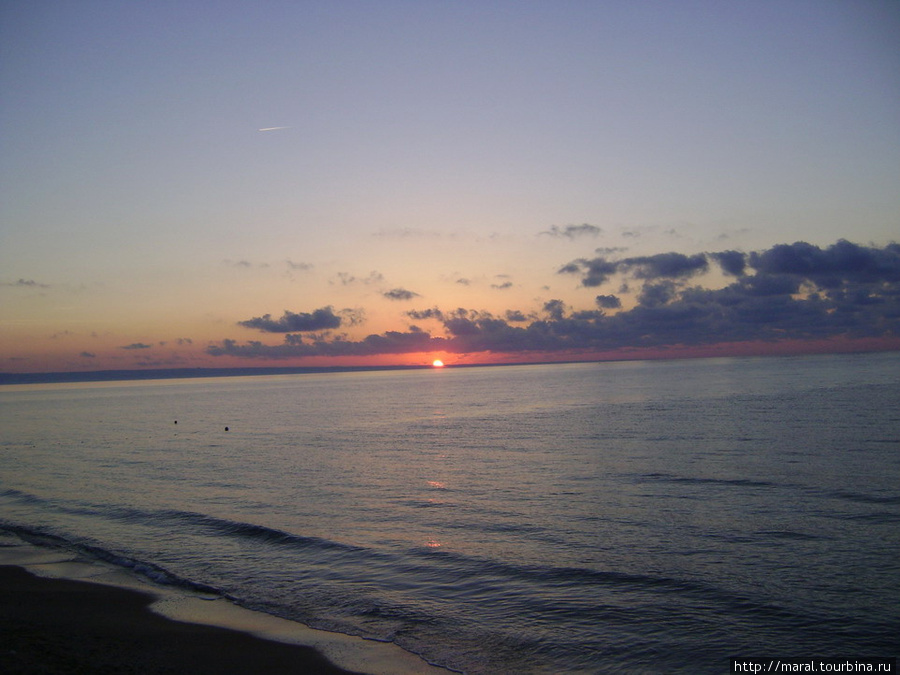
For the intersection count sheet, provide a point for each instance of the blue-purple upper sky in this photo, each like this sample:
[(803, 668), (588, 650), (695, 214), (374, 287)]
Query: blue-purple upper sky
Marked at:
[(171, 173)]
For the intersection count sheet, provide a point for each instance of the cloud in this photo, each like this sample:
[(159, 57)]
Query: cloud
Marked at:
[(573, 231), (348, 279), (830, 267), (598, 271), (608, 302), (301, 266), (245, 264), (516, 316), (665, 265), (595, 272), (400, 294), (419, 315), (391, 342), (503, 286), (25, 283), (731, 262), (793, 291), (137, 345), (290, 322), (556, 309), (657, 294), (87, 355), (407, 233)]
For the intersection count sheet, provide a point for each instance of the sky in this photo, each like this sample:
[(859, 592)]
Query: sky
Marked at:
[(218, 184)]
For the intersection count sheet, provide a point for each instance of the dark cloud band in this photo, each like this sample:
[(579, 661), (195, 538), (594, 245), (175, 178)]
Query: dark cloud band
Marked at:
[(796, 291)]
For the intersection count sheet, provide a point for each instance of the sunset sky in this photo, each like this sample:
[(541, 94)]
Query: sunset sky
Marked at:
[(215, 184)]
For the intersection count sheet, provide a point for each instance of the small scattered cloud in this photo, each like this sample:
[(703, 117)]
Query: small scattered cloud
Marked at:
[(573, 231), (609, 250), (87, 355), (733, 234), (407, 233), (346, 279), (598, 271), (555, 309), (595, 272), (400, 294), (502, 286), (516, 316), (245, 264), (291, 322), (731, 262), (608, 302), (24, 283), (421, 315), (666, 265), (298, 266), (352, 317), (137, 345)]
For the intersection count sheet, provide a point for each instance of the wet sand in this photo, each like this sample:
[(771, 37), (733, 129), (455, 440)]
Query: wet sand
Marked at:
[(66, 626), (63, 613)]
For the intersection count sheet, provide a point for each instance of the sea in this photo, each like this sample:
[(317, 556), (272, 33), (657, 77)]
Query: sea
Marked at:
[(629, 517)]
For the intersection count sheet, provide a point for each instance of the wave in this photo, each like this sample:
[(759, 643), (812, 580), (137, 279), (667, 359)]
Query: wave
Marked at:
[(415, 567), (788, 535), (249, 531), (735, 482), (860, 498), (856, 497), (147, 570), (24, 497), (173, 517)]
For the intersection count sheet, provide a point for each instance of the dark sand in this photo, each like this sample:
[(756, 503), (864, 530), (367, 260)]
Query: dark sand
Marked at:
[(63, 626)]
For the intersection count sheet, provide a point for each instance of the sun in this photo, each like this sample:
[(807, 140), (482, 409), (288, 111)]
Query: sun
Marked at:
[(437, 363)]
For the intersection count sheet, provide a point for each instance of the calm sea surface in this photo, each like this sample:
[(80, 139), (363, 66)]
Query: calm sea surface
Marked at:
[(596, 518)]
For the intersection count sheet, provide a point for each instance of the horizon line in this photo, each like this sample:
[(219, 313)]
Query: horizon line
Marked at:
[(124, 375)]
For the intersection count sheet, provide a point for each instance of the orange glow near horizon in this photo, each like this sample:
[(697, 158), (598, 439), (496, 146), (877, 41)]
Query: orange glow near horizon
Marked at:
[(60, 358)]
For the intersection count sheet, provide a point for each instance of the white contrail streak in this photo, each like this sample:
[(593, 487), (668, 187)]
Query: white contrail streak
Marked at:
[(272, 128)]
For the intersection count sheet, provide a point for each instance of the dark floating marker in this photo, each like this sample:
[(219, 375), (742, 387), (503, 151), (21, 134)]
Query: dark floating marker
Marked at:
[(226, 428), (176, 421)]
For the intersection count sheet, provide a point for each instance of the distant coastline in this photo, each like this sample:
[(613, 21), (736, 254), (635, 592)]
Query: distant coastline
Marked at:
[(62, 377), (179, 373)]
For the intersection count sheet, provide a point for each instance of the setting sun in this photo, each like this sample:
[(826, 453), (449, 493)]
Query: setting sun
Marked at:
[(437, 363)]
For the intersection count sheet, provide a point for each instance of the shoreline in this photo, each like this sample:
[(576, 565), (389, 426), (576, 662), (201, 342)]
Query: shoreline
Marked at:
[(60, 613), (65, 626)]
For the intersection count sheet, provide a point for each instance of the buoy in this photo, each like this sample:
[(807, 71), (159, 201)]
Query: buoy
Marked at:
[(226, 428)]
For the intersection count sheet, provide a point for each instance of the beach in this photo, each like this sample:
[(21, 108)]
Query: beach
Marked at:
[(63, 614), (66, 626)]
